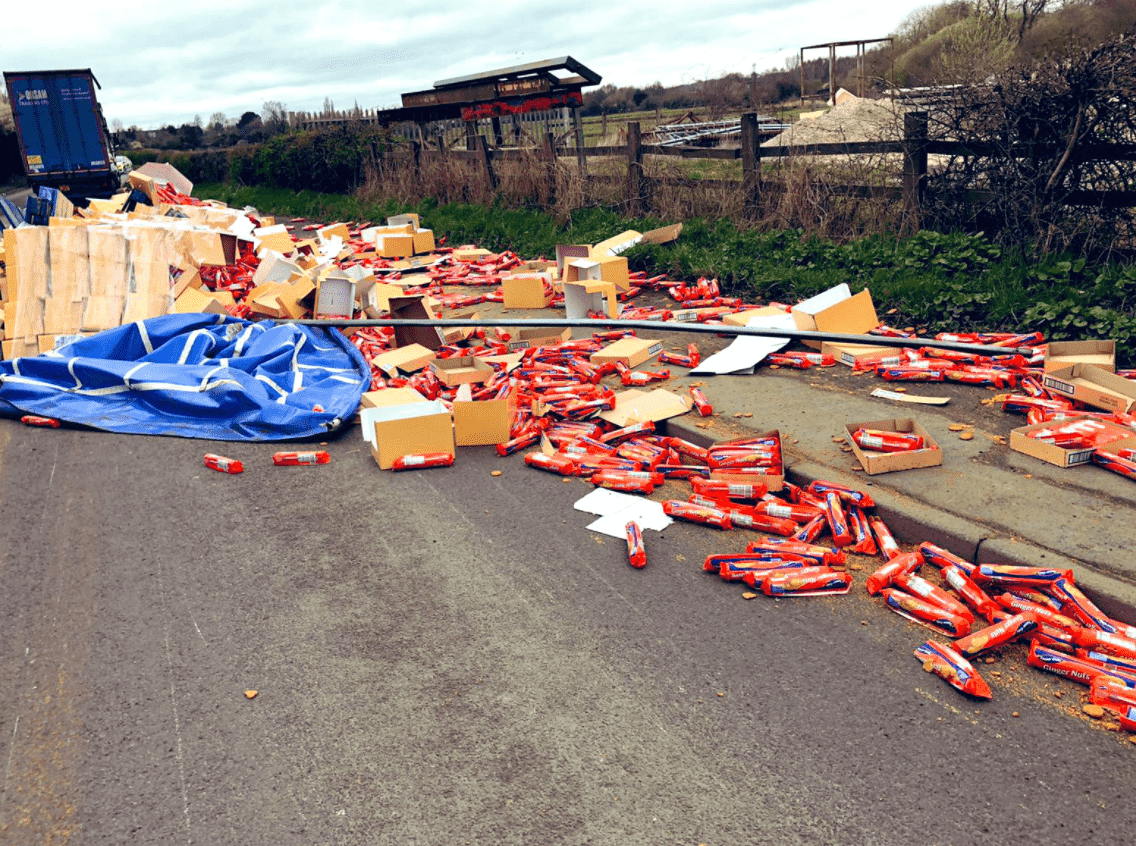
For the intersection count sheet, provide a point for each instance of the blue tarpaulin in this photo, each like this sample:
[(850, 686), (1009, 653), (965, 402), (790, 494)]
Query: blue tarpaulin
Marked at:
[(195, 376)]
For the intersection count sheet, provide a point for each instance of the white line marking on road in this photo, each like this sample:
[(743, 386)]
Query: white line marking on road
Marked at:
[(11, 751), (199, 634)]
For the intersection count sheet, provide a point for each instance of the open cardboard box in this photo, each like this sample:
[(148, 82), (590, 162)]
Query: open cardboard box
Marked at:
[(1093, 386), (836, 310), (407, 359), (1062, 354), (890, 462), (482, 422), (415, 308), (581, 297), (398, 425), (772, 481), (335, 297), (461, 370), (1020, 441), (631, 351)]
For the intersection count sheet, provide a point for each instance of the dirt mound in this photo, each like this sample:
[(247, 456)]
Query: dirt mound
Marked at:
[(854, 120)]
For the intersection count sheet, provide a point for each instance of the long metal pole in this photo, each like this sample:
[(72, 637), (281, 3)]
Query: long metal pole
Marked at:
[(680, 326)]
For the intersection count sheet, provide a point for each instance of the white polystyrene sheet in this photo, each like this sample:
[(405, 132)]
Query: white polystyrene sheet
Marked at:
[(747, 351)]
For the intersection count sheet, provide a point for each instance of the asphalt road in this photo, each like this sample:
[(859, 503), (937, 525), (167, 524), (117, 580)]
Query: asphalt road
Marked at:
[(451, 657)]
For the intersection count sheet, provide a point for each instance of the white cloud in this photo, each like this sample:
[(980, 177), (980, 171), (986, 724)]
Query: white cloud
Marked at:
[(163, 63)]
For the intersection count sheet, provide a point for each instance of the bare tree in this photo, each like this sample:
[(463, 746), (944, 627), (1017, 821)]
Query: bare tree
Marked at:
[(1035, 121), (217, 121), (274, 116), (1021, 13), (328, 106)]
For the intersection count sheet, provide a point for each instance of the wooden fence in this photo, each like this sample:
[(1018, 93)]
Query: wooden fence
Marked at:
[(914, 148)]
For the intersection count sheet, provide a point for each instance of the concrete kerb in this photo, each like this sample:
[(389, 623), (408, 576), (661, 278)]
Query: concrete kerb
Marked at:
[(913, 522)]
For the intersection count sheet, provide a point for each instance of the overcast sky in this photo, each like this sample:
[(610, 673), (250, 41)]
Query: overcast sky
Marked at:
[(164, 62)]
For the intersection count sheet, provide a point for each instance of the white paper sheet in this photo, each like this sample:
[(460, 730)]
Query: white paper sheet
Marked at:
[(616, 510)]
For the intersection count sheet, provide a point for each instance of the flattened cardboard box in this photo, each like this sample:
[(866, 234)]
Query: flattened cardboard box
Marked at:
[(482, 422), (631, 351), (1062, 354), (1093, 386), (635, 406), (891, 462), (1060, 457), (772, 481)]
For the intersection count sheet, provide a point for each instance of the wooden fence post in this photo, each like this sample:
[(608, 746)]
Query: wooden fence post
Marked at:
[(498, 138), (751, 163), (416, 155), (634, 169), (490, 176), (470, 135), (550, 156), (914, 167), (581, 157)]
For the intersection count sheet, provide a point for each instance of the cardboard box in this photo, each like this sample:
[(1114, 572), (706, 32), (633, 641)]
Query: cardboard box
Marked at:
[(407, 428), (773, 481), (404, 219), (1119, 436), (192, 300), (611, 269), (394, 246), (389, 396), (583, 297), (336, 230), (423, 241), (1093, 386), (631, 351), (891, 462), (481, 422), (407, 359), (457, 334), (414, 308), (335, 297), (470, 254), (526, 290), (853, 354), (461, 370), (1062, 354), (275, 238), (742, 318), (835, 310), (537, 336), (145, 184)]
